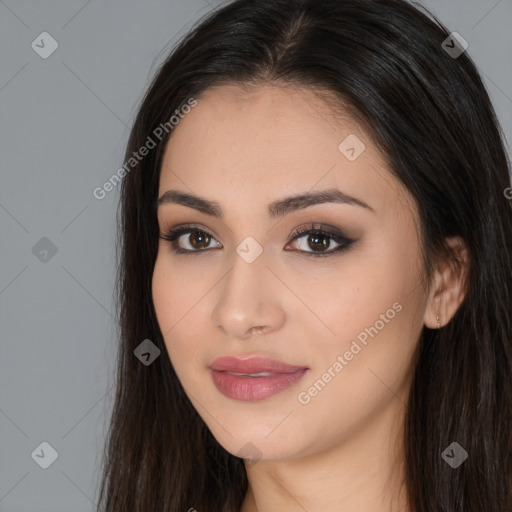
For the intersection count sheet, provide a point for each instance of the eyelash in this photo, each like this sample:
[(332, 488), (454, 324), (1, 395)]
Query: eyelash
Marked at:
[(173, 234)]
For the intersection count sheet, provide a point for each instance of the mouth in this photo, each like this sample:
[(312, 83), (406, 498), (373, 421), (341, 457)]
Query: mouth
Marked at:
[(255, 378)]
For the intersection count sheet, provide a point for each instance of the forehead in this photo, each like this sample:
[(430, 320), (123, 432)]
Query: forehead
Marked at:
[(244, 144)]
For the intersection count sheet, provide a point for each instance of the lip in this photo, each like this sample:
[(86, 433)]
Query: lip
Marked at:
[(247, 388), (253, 365)]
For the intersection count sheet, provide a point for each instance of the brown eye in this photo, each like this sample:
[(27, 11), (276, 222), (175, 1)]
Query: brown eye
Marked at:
[(197, 240), (317, 241)]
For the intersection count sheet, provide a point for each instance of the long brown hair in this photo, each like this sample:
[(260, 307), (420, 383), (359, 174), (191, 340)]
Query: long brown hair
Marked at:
[(429, 113)]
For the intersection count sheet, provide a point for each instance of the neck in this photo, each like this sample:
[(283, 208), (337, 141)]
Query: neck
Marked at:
[(361, 472)]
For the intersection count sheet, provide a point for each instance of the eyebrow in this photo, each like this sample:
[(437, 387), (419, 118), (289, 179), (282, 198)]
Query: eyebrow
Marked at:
[(278, 208)]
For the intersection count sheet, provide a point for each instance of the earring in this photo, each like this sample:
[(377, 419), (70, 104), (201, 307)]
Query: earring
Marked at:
[(438, 320)]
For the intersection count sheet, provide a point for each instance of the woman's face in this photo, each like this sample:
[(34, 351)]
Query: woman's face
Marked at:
[(347, 320)]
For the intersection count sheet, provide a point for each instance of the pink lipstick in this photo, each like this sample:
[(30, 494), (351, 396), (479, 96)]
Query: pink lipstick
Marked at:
[(255, 378)]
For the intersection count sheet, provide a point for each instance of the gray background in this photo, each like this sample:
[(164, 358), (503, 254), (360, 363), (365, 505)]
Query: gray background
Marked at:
[(64, 123)]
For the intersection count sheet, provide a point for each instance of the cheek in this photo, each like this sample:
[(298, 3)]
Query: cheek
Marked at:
[(354, 296), (375, 312), (173, 300), (342, 395), (163, 292), (181, 306), (175, 294)]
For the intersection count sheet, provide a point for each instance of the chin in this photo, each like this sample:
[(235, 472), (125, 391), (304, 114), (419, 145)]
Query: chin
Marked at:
[(256, 440)]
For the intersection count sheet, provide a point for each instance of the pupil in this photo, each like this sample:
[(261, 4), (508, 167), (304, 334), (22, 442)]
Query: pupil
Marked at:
[(323, 245), (198, 235)]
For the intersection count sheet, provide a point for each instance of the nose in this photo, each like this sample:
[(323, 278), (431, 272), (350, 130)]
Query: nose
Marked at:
[(249, 300)]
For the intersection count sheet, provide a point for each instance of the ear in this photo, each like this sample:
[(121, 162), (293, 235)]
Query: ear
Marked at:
[(448, 287)]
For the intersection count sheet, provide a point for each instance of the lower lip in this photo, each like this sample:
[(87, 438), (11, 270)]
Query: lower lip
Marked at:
[(251, 389)]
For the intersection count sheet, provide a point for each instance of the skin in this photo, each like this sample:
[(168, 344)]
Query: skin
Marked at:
[(342, 450)]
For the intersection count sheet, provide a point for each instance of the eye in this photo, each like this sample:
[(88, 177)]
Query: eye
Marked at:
[(317, 238), (197, 240)]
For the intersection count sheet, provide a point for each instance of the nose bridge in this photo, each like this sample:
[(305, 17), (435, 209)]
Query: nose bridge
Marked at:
[(248, 296)]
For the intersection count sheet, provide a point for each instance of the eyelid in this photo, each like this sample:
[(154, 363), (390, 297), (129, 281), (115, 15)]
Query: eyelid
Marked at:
[(318, 226), (330, 232), (171, 235)]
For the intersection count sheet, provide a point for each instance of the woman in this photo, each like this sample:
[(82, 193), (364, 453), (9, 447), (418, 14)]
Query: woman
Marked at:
[(343, 339)]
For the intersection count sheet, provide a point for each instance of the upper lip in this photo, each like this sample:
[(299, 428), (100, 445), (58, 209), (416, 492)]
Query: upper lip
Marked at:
[(253, 365)]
